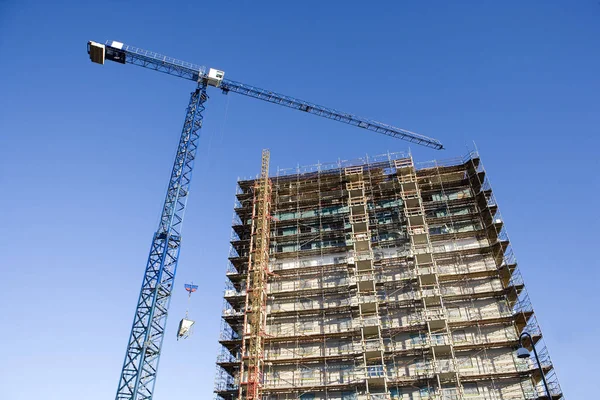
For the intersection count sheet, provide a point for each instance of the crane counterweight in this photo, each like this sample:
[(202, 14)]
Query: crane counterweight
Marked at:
[(97, 52)]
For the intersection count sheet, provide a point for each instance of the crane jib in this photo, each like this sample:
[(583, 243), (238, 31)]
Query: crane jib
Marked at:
[(123, 53)]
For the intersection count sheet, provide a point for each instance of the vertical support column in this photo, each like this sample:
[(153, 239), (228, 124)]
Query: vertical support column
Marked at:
[(366, 294), (255, 312), (439, 338), (140, 366)]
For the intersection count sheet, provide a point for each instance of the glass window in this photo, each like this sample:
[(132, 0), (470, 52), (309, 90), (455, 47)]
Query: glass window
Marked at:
[(288, 247), (375, 370), (459, 336), (345, 373), (471, 389), (438, 338), (349, 396), (417, 338), (306, 304), (449, 394), (306, 326), (306, 373), (288, 231), (453, 312), (503, 307), (465, 362)]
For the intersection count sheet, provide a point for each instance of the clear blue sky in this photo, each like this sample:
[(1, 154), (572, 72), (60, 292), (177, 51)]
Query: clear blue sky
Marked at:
[(85, 153)]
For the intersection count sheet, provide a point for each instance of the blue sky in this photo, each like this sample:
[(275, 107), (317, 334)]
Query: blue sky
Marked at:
[(85, 153)]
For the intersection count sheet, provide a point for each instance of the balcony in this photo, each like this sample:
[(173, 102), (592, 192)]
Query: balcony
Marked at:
[(357, 205), (436, 318), (353, 170), (407, 178), (362, 241), (404, 165), (367, 304), (418, 234), (440, 343), (370, 325), (355, 189), (445, 369), (427, 275), (373, 349), (363, 260), (359, 223), (375, 375), (366, 282), (431, 297)]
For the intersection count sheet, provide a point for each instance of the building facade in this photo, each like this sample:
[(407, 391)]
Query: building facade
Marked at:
[(385, 279)]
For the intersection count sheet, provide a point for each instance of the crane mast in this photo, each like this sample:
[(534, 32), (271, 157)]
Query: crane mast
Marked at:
[(138, 375)]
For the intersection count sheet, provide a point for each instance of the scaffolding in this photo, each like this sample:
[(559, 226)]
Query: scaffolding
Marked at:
[(385, 280), (255, 310)]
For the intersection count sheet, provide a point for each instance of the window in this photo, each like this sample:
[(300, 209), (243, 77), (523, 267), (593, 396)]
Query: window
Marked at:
[(306, 304), (306, 326), (288, 248), (503, 307), (306, 374), (275, 351), (288, 231), (306, 246), (417, 338), (435, 230), (305, 283), (339, 260), (303, 351), (438, 338), (349, 396), (441, 212), (375, 371), (465, 362), (307, 396), (345, 373), (449, 394), (345, 347), (459, 336), (424, 392), (453, 312), (471, 389)]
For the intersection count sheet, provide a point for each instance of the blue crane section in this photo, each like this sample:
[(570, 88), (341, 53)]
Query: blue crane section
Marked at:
[(123, 53), (138, 375)]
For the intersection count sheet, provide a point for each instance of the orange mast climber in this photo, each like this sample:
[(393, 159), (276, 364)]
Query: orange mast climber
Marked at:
[(255, 315)]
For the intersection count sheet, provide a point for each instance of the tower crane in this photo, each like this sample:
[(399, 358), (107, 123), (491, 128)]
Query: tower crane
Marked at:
[(138, 375)]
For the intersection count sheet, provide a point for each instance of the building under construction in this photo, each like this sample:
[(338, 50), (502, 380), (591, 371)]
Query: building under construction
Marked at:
[(380, 279)]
